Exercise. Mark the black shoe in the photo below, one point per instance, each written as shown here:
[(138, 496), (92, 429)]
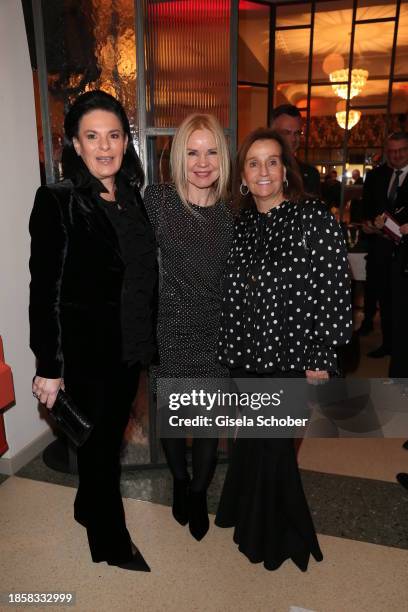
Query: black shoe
[(365, 328), (135, 564), (403, 479), (180, 500), (405, 445), (81, 521), (198, 520), (381, 351), (80, 518)]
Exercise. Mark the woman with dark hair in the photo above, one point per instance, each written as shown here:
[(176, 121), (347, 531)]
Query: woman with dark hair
[(286, 307), (93, 277)]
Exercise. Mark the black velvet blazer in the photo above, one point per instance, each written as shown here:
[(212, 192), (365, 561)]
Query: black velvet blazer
[(76, 281)]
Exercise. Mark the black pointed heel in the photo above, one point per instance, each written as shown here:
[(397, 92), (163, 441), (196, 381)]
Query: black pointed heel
[(181, 500), (198, 520), (135, 564)]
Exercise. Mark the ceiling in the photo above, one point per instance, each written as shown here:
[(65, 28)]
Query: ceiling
[(331, 46)]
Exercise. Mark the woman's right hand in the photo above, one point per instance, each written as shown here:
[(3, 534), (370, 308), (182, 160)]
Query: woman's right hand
[(46, 390)]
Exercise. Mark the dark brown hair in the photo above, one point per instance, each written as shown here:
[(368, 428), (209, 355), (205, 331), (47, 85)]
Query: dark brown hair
[(72, 165), (292, 191)]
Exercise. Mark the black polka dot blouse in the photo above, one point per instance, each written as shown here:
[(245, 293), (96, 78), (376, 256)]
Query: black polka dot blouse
[(286, 295)]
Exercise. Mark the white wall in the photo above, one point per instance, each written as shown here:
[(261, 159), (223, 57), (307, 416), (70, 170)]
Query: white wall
[(19, 178)]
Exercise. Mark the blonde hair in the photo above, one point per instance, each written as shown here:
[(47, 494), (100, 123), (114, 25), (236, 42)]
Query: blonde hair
[(178, 154)]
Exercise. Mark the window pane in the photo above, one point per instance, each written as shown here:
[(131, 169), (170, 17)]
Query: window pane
[(375, 91), (253, 42), (252, 109), (399, 108), (293, 15), (158, 156), (370, 130), (331, 44), (401, 59), (89, 45), (326, 137), (291, 93), (373, 48), (187, 60), (375, 9), (291, 64)]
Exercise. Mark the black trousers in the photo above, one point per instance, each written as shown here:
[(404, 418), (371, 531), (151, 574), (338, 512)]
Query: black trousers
[(98, 504), (382, 264)]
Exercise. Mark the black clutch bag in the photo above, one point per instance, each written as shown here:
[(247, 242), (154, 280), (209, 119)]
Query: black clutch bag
[(70, 420)]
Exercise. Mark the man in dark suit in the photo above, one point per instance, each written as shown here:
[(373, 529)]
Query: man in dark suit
[(386, 190), (287, 120)]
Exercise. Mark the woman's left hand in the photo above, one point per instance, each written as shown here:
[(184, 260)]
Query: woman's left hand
[(404, 229), (317, 375)]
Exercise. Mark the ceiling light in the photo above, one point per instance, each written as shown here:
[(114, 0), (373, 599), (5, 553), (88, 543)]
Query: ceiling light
[(353, 118), (358, 81)]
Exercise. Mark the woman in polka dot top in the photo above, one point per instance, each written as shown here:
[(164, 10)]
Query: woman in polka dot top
[(286, 309)]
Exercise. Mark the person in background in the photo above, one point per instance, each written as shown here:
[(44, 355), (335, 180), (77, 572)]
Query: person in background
[(93, 277), (287, 121), (385, 190), (357, 179), (286, 309), (370, 289), (193, 227), (331, 189)]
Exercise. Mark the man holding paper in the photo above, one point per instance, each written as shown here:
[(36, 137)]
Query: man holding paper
[(385, 198)]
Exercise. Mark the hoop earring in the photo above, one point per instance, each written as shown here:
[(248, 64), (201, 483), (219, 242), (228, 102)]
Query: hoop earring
[(241, 190), (286, 183)]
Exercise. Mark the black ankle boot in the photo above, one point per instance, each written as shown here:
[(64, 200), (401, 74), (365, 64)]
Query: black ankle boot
[(198, 520), (181, 500)]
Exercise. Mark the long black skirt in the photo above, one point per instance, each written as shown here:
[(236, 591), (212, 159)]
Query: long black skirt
[(263, 499)]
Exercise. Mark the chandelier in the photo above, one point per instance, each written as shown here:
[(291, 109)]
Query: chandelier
[(353, 119), (357, 82)]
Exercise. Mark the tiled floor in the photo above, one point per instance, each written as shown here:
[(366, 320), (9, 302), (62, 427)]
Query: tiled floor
[(44, 550)]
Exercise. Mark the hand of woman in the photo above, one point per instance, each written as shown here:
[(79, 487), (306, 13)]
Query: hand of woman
[(46, 390), (404, 229), (316, 375)]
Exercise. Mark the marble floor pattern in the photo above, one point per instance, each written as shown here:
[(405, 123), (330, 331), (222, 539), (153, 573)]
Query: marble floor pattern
[(44, 550)]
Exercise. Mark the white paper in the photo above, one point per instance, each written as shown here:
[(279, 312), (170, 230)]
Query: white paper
[(392, 226)]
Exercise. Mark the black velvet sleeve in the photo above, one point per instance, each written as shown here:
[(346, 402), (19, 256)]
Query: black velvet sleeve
[(48, 250)]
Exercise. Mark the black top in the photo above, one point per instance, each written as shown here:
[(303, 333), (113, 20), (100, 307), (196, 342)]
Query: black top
[(194, 242), (137, 247), (286, 302)]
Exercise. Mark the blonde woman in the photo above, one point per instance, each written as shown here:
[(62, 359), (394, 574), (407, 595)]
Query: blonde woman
[(193, 228)]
